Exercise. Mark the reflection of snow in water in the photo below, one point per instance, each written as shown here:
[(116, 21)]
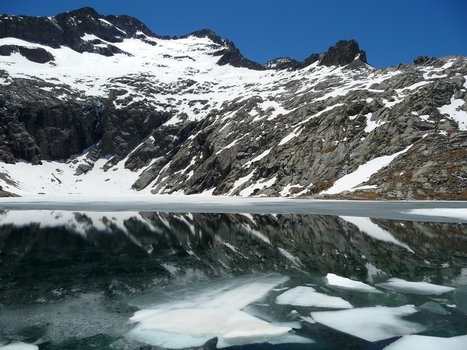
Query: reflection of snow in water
[(373, 230), (236, 310), (194, 316), (371, 323), (79, 222)]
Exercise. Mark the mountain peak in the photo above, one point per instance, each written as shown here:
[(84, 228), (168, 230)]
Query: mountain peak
[(230, 54), (82, 12), (68, 28), (208, 33), (343, 53)]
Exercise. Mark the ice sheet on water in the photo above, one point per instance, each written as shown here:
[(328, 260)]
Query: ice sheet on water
[(401, 285), (371, 323), (191, 317), (234, 292), (18, 346), (196, 326), (434, 307), (347, 283), (308, 296), (415, 342), (457, 213)]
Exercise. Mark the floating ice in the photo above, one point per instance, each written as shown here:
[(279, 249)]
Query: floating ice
[(401, 285), (19, 346), (307, 296), (422, 342), (347, 283), (371, 323), (456, 213), (193, 316), (232, 327), (237, 293), (434, 307)]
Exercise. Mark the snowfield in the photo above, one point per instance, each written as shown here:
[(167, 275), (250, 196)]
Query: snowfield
[(166, 66)]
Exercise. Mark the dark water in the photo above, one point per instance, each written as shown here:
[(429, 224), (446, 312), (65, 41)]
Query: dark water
[(73, 279)]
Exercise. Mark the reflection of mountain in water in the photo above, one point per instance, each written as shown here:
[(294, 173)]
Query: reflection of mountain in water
[(129, 252)]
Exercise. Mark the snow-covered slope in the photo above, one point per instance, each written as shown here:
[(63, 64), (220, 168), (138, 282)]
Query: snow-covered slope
[(137, 113)]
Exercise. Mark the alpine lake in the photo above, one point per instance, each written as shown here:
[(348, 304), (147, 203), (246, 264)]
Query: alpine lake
[(287, 275)]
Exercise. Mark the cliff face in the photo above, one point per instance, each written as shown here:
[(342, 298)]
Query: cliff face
[(193, 115)]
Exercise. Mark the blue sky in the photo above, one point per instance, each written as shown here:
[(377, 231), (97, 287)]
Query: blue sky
[(391, 32)]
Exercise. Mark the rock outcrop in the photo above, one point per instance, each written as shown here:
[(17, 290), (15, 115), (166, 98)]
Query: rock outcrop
[(345, 52), (38, 55), (67, 29)]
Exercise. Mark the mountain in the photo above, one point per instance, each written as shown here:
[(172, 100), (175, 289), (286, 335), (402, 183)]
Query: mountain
[(96, 104)]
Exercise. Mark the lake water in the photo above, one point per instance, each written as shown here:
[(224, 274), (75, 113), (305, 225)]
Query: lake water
[(83, 277)]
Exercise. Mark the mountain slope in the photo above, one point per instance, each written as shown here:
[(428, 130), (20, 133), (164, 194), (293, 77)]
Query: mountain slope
[(100, 104)]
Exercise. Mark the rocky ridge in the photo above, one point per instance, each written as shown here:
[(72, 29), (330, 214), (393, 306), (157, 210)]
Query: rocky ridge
[(192, 115)]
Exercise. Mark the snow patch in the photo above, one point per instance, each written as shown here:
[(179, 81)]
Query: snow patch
[(454, 112), (363, 173)]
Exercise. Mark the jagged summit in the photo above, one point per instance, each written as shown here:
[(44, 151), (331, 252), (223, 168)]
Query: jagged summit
[(282, 63), (69, 28), (208, 33), (229, 53), (343, 53)]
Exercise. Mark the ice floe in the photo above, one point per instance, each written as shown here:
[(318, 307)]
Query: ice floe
[(308, 296), (371, 323), (347, 283), (18, 346), (196, 326), (199, 314), (401, 285), (422, 342), (434, 307)]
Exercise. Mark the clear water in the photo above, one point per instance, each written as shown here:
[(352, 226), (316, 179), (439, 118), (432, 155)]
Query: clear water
[(73, 279)]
